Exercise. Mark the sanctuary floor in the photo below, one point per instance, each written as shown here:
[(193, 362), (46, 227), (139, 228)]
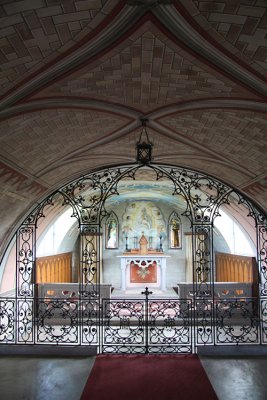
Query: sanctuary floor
[(58, 378)]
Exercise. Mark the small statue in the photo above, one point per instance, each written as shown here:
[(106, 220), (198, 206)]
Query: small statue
[(143, 244)]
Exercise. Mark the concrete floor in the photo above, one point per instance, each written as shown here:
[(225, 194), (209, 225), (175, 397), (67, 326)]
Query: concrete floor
[(237, 378), (43, 378), (63, 378)]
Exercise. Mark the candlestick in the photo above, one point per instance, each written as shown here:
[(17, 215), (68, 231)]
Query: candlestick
[(160, 244)]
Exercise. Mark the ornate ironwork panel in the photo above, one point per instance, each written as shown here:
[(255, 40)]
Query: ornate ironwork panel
[(7, 320), (203, 276), (89, 193), (123, 326), (237, 321), (202, 261), (90, 315), (263, 309), (25, 260), (203, 321), (70, 321), (262, 257), (169, 326), (25, 321), (136, 326), (57, 321), (201, 192), (89, 261)]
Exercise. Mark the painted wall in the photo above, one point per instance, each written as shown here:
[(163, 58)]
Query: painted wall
[(150, 218)]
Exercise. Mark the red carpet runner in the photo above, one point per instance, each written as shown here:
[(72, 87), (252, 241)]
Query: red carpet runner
[(148, 377)]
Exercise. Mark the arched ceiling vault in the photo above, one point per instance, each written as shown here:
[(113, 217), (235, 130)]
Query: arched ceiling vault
[(76, 77)]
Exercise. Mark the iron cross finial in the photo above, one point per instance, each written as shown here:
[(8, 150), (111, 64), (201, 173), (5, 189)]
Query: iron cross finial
[(146, 292)]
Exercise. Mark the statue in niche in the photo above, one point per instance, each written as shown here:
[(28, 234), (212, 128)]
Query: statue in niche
[(112, 232), (175, 231)]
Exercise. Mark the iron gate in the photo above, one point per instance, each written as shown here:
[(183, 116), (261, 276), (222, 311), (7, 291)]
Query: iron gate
[(147, 325)]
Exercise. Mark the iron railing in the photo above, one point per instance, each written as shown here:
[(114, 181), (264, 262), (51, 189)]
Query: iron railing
[(134, 325)]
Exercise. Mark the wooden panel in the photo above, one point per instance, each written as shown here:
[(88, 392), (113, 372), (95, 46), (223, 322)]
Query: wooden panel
[(54, 269), (235, 268)]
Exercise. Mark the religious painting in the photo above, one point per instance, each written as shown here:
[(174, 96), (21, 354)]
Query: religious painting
[(143, 219), (175, 230), (112, 230)]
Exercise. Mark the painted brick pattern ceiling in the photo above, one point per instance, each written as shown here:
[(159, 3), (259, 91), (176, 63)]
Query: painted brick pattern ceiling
[(76, 76), (148, 73), (243, 24), (237, 135), (45, 136), (33, 31)]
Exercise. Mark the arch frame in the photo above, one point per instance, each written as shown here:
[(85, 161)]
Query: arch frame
[(87, 196)]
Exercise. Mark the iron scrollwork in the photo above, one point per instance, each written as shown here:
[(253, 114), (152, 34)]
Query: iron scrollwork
[(237, 321), (57, 321), (7, 320), (123, 326), (89, 260), (25, 260), (262, 257), (25, 323), (150, 326), (203, 310), (135, 325), (263, 307), (169, 326)]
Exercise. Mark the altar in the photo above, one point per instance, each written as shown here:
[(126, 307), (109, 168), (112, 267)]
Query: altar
[(138, 271)]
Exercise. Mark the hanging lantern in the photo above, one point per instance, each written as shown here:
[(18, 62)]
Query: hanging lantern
[(144, 146)]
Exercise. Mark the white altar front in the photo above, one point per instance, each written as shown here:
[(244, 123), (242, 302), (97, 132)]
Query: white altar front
[(143, 263)]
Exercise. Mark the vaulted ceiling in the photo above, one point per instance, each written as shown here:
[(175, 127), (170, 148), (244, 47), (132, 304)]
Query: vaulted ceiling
[(77, 75)]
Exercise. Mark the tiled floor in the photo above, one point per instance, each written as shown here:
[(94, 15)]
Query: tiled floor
[(63, 378)]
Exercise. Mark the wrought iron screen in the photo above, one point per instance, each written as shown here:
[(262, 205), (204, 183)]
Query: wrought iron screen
[(147, 326), (130, 325)]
